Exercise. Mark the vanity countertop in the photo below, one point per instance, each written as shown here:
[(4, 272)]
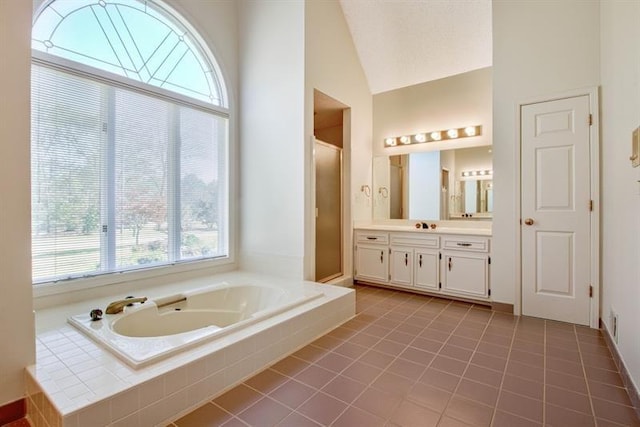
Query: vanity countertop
[(471, 230)]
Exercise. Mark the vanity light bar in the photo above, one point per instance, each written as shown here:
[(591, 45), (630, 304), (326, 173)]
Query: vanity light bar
[(436, 135), (486, 172)]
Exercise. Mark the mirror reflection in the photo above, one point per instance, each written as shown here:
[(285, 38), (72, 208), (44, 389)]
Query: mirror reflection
[(434, 185)]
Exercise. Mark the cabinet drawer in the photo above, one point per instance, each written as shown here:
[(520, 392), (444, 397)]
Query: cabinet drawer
[(372, 237), (415, 240), (463, 243)]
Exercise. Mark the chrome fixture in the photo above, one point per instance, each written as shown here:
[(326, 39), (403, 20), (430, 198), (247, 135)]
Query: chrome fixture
[(117, 306)]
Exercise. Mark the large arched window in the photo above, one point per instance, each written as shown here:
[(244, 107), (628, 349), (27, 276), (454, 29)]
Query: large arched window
[(129, 140)]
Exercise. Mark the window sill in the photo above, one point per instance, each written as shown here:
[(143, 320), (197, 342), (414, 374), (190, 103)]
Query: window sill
[(52, 294)]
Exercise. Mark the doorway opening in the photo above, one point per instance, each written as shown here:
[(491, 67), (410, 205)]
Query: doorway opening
[(329, 132)]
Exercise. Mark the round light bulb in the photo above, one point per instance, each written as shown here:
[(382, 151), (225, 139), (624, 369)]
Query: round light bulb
[(390, 142), (470, 131), (405, 139), (452, 133), (465, 173), (436, 136), (421, 137)]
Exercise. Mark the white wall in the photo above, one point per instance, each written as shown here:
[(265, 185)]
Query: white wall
[(620, 68), (539, 49), (16, 313), (452, 102), (333, 68), (272, 135)]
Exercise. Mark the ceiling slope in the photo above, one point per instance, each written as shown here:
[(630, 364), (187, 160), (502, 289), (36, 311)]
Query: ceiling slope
[(405, 42)]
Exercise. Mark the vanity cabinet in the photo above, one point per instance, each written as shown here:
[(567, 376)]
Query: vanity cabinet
[(371, 256), (414, 260), (456, 265), (465, 266)]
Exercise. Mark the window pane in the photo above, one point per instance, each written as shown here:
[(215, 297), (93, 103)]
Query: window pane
[(130, 38), (203, 186), (141, 132), (66, 154)]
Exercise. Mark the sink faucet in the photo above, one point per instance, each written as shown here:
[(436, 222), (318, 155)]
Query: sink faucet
[(117, 306)]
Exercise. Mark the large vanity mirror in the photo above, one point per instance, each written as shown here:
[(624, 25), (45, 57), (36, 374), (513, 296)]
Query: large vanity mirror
[(434, 185)]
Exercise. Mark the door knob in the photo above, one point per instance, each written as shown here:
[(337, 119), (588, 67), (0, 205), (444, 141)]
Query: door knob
[(529, 221)]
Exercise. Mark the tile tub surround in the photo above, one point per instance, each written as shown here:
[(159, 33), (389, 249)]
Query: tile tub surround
[(76, 382), (413, 360)]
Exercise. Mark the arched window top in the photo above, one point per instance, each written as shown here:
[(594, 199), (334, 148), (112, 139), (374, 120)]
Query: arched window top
[(136, 39)]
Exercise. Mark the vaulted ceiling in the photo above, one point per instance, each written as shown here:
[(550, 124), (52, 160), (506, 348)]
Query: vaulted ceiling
[(405, 42)]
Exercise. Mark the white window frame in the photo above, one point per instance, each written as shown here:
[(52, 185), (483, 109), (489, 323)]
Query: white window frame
[(180, 269)]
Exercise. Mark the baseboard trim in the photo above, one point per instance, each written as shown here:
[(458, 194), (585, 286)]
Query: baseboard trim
[(632, 390), (13, 411), (502, 307)]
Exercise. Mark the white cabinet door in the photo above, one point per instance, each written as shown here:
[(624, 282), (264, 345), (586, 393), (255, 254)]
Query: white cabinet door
[(402, 266), (426, 264), (465, 274), (372, 262)]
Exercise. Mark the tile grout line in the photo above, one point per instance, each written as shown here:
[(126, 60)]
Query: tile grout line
[(544, 376), (449, 303), (504, 371), (584, 372), (318, 390), (468, 362), (349, 405)]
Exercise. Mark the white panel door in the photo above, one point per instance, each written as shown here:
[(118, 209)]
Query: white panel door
[(555, 203)]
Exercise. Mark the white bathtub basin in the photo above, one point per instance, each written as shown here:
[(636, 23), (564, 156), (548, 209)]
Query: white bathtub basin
[(144, 333)]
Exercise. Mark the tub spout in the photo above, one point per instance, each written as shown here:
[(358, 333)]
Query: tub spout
[(117, 306)]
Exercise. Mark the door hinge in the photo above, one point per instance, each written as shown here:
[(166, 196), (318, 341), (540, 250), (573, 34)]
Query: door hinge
[(389, 251), (590, 291), (389, 277), (590, 205), (439, 255), (489, 292), (489, 260), (590, 119), (439, 285)]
